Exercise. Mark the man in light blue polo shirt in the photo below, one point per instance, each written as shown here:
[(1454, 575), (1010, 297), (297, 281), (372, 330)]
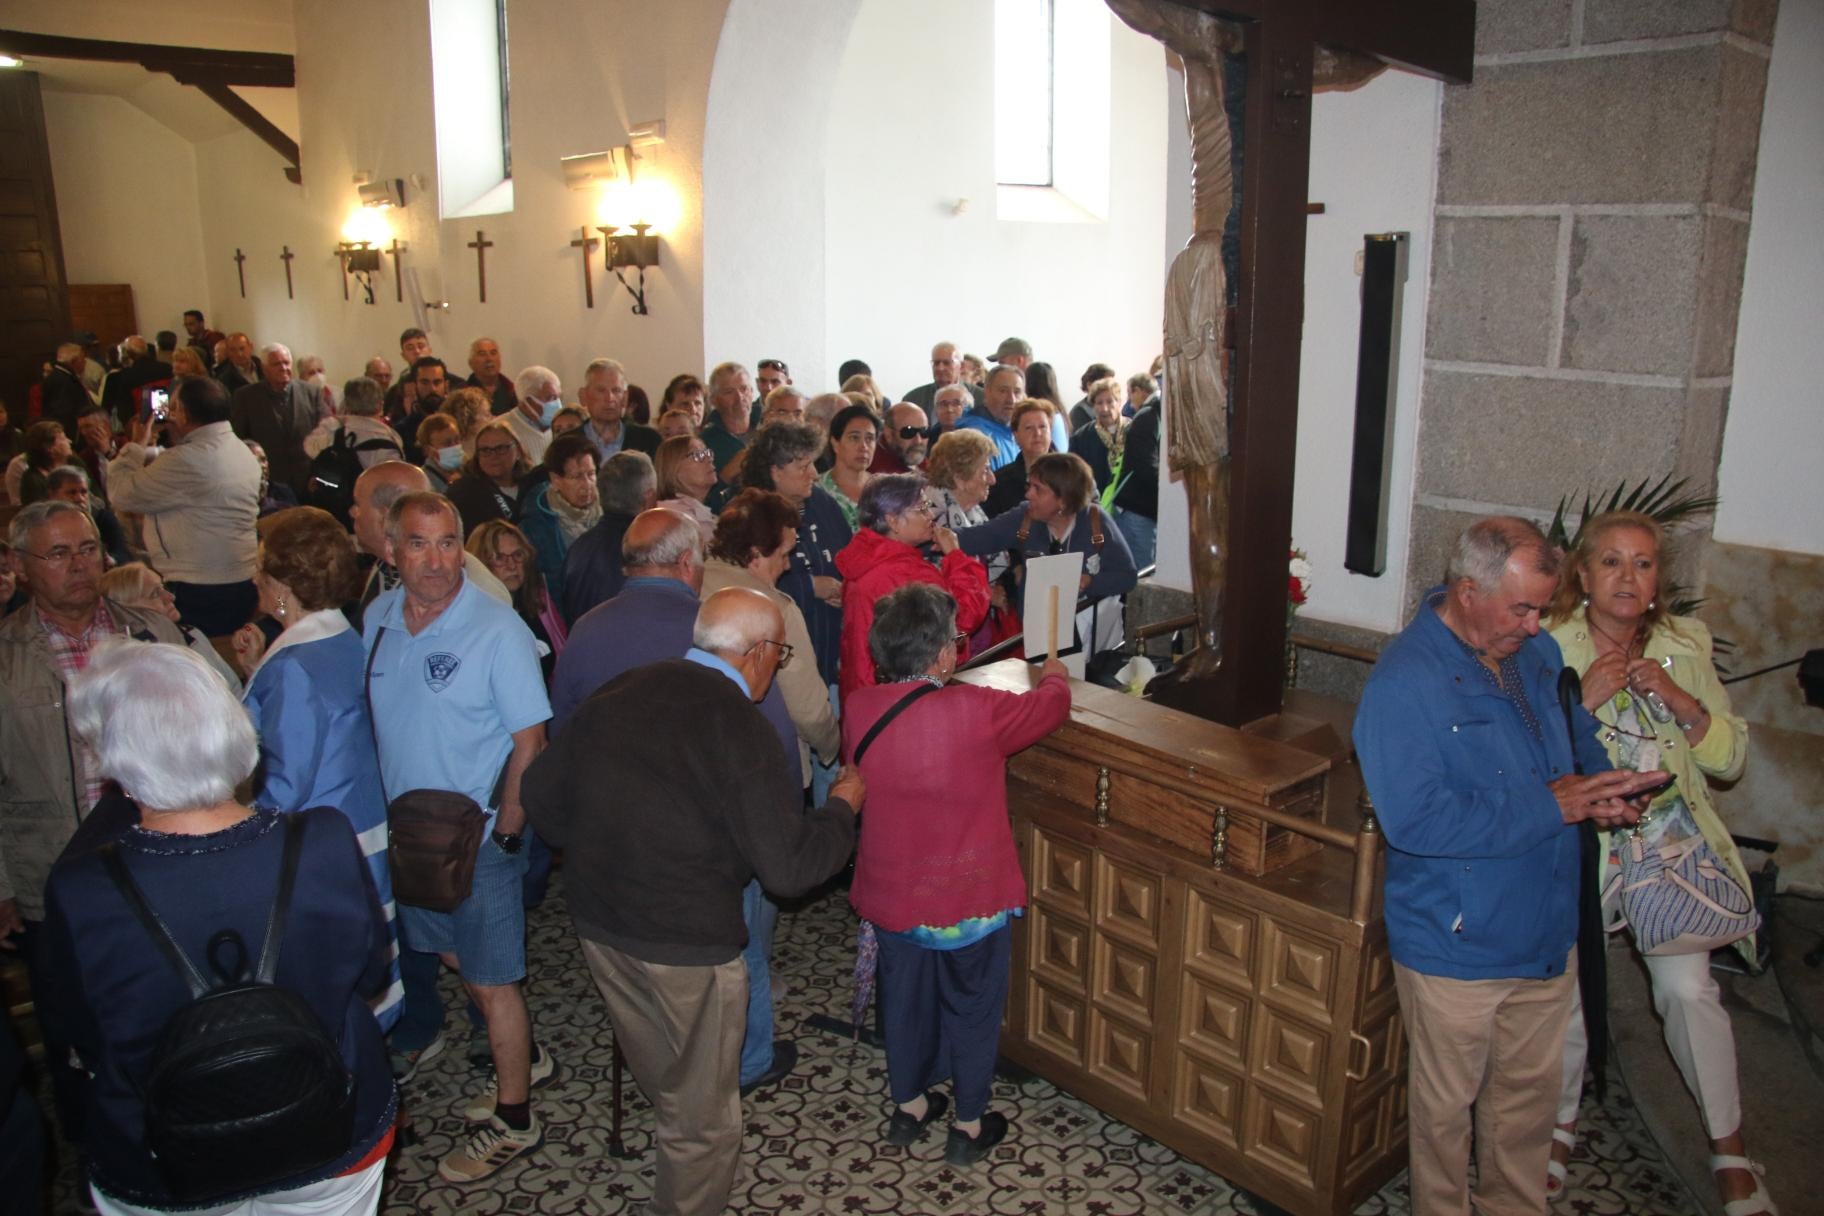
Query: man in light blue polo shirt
[(459, 704), (1005, 389)]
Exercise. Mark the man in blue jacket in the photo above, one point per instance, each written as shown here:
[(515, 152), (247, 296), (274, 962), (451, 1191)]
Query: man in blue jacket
[(1467, 756)]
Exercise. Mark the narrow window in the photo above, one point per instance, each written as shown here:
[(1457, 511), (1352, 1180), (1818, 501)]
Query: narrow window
[(1052, 98), (1023, 83), (474, 153)]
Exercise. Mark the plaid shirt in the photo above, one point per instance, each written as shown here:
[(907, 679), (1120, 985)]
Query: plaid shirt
[(71, 654)]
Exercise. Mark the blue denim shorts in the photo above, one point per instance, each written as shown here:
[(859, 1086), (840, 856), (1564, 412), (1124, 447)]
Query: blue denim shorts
[(487, 931)]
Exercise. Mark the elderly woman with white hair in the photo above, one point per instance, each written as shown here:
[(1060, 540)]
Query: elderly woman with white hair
[(199, 875)]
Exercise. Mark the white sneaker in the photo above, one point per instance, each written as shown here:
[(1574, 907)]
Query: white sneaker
[(481, 1107), (490, 1147)]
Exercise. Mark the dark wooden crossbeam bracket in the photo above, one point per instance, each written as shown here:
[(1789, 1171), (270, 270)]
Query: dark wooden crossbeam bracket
[(214, 73)]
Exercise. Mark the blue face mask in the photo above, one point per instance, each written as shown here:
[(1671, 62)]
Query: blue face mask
[(549, 412), (450, 458)]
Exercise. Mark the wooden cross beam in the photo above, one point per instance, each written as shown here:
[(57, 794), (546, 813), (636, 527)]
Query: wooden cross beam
[(587, 244), (286, 257), (1434, 37), (240, 270), (481, 244)]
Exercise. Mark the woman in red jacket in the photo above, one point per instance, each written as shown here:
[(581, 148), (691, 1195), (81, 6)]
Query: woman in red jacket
[(895, 518), (936, 872)]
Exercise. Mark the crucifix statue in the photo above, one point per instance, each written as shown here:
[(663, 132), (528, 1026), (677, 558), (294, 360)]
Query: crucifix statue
[(481, 244), (286, 257), (587, 244), (1232, 430), (240, 270)]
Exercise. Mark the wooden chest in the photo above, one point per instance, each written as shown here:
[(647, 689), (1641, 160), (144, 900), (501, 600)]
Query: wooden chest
[(1242, 1013)]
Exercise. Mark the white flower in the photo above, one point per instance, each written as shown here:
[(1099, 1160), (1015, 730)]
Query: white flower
[(1300, 569)]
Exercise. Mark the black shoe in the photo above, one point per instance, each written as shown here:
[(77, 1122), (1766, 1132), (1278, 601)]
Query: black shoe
[(964, 1149), (903, 1129), (785, 1058)]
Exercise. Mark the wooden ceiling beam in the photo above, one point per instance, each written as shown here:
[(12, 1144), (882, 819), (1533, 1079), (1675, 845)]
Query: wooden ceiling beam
[(1432, 37)]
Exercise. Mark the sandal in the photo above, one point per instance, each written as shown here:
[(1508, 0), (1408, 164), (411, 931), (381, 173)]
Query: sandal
[(1758, 1204), (1555, 1172)]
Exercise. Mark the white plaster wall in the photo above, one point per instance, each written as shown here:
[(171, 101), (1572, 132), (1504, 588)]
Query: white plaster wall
[(764, 174), (1373, 158), (910, 133), (1774, 438), (127, 204), (581, 76)]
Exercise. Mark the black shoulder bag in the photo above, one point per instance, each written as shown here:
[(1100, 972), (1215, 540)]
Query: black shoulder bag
[(880, 724)]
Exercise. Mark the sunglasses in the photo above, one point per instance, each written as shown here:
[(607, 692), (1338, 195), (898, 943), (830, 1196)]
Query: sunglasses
[(774, 365), (911, 432)]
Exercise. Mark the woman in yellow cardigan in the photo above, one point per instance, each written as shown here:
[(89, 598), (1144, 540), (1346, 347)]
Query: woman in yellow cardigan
[(1631, 652)]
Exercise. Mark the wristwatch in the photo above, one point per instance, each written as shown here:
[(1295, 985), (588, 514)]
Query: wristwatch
[(510, 842)]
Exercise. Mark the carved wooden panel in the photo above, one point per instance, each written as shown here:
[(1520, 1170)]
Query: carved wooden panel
[(1213, 1019), (1127, 900), (1207, 1098), (1060, 873), (1290, 1054), (1060, 949), (1120, 1054), (1298, 969), (1364, 1135), (1056, 1022), (1282, 1136), (1124, 979), (1219, 939)]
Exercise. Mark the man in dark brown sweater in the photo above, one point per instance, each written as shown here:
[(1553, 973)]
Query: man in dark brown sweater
[(662, 829)]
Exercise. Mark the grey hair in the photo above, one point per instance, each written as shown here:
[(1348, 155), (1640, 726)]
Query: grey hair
[(776, 445), (722, 371), (309, 365), (886, 496), (273, 348), (123, 705), (362, 397), (1486, 546), (624, 480), (67, 351), (782, 392), (912, 625), (824, 406), (417, 500), (63, 474), (735, 632), (40, 513), (597, 366), (680, 539), (955, 389), (533, 378)]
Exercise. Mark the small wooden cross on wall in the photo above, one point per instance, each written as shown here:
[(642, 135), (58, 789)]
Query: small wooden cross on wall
[(286, 257), (240, 270), (587, 244), (481, 244), (398, 281)]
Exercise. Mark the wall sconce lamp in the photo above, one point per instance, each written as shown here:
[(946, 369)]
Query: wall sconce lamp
[(638, 250), (362, 260), (387, 192)]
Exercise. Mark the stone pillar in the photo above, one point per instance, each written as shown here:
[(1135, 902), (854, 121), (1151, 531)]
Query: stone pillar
[(1592, 211)]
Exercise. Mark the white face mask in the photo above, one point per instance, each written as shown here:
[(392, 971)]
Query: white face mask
[(548, 411), (450, 458)]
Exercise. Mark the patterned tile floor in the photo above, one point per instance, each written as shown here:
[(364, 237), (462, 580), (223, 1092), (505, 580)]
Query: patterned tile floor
[(812, 1143)]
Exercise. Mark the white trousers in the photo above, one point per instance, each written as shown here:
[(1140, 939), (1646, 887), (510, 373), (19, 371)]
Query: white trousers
[(350, 1195), (1690, 1006)]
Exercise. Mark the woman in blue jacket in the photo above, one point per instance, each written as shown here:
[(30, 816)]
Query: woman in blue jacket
[(305, 696)]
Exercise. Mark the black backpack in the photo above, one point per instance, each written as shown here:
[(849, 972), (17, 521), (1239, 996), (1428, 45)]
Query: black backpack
[(246, 1087), (334, 469)]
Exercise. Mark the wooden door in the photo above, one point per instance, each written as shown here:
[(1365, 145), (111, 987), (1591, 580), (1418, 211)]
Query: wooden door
[(105, 310), (34, 303)]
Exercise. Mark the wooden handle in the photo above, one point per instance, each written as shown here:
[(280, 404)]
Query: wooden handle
[(1052, 650)]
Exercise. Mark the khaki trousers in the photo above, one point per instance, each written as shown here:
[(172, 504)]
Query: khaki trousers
[(1491, 1051), (680, 1029)]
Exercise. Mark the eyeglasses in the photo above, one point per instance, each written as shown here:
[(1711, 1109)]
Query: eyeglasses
[(911, 432), (957, 639), (785, 651), (701, 456), (774, 365), (494, 449), (63, 555), (516, 558)]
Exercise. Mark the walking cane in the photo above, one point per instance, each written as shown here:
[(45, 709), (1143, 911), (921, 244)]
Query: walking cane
[(1592, 965)]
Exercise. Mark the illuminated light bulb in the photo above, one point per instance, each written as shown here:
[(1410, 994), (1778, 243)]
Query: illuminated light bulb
[(367, 224)]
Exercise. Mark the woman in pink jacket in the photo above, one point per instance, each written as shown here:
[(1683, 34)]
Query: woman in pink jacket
[(895, 517), (937, 877)]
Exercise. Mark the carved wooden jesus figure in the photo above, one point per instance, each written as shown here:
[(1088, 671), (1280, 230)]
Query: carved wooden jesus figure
[(1196, 294)]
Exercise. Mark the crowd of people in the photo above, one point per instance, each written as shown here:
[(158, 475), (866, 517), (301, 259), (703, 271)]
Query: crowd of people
[(328, 676)]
